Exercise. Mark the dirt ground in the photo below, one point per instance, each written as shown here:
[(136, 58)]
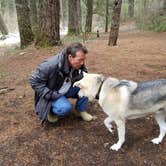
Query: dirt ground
[(73, 142)]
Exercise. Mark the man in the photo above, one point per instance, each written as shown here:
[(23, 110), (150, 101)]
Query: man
[(52, 82)]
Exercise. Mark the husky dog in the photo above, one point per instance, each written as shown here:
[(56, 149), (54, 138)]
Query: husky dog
[(123, 99)]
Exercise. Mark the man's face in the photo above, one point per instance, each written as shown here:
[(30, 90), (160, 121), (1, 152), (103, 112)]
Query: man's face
[(78, 60)]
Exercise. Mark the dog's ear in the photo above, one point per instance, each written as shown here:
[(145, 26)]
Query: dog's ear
[(100, 78), (78, 84)]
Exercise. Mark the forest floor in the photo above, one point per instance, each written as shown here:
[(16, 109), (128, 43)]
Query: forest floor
[(73, 142)]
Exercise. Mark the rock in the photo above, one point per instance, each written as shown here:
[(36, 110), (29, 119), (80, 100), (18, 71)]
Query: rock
[(22, 53)]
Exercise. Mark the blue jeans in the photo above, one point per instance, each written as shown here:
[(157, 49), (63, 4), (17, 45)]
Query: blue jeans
[(62, 106)]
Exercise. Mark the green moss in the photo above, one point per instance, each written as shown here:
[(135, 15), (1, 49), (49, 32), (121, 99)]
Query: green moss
[(43, 41)]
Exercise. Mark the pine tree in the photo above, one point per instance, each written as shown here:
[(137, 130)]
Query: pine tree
[(24, 24), (88, 26), (49, 22), (3, 27), (115, 23), (74, 17)]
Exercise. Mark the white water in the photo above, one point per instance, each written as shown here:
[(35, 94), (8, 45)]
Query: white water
[(14, 38), (11, 39)]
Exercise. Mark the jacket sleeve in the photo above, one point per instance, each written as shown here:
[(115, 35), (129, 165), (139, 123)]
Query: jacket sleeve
[(38, 81)]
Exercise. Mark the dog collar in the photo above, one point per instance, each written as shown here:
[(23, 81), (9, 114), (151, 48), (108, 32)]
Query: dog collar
[(97, 95)]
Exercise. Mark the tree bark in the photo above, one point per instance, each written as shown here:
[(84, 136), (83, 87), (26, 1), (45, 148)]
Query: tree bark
[(73, 22), (49, 20), (88, 25), (79, 16), (106, 17), (3, 6), (33, 15), (131, 8), (144, 8), (164, 5), (3, 27), (11, 8), (24, 25), (62, 13), (115, 23)]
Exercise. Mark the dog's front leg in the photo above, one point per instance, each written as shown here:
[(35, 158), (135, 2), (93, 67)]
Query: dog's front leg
[(107, 123), (121, 134), (162, 124)]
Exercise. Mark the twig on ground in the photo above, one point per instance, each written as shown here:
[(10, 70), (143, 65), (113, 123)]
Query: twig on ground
[(4, 90)]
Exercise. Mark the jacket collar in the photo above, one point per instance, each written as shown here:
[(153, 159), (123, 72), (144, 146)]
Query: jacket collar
[(66, 68), (63, 63)]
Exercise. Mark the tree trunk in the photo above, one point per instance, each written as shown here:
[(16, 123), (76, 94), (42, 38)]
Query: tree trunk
[(106, 17), (3, 6), (24, 25), (79, 15), (33, 15), (49, 20), (62, 13), (88, 25), (11, 8), (73, 23), (144, 8), (115, 23), (131, 8), (3, 27), (164, 5)]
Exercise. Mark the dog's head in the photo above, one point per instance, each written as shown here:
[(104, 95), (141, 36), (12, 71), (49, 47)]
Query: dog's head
[(89, 85)]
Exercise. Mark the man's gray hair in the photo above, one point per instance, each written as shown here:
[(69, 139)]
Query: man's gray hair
[(75, 47)]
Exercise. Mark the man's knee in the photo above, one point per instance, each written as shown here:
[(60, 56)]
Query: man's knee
[(62, 110)]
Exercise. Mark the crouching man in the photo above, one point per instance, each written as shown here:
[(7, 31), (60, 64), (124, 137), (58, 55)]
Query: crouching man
[(52, 82)]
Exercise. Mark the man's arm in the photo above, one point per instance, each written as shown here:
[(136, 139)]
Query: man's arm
[(38, 81)]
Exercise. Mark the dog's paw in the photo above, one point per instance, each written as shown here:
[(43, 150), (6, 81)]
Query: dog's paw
[(156, 141), (115, 147)]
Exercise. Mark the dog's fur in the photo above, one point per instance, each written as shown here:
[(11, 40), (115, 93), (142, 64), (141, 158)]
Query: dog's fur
[(123, 99)]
